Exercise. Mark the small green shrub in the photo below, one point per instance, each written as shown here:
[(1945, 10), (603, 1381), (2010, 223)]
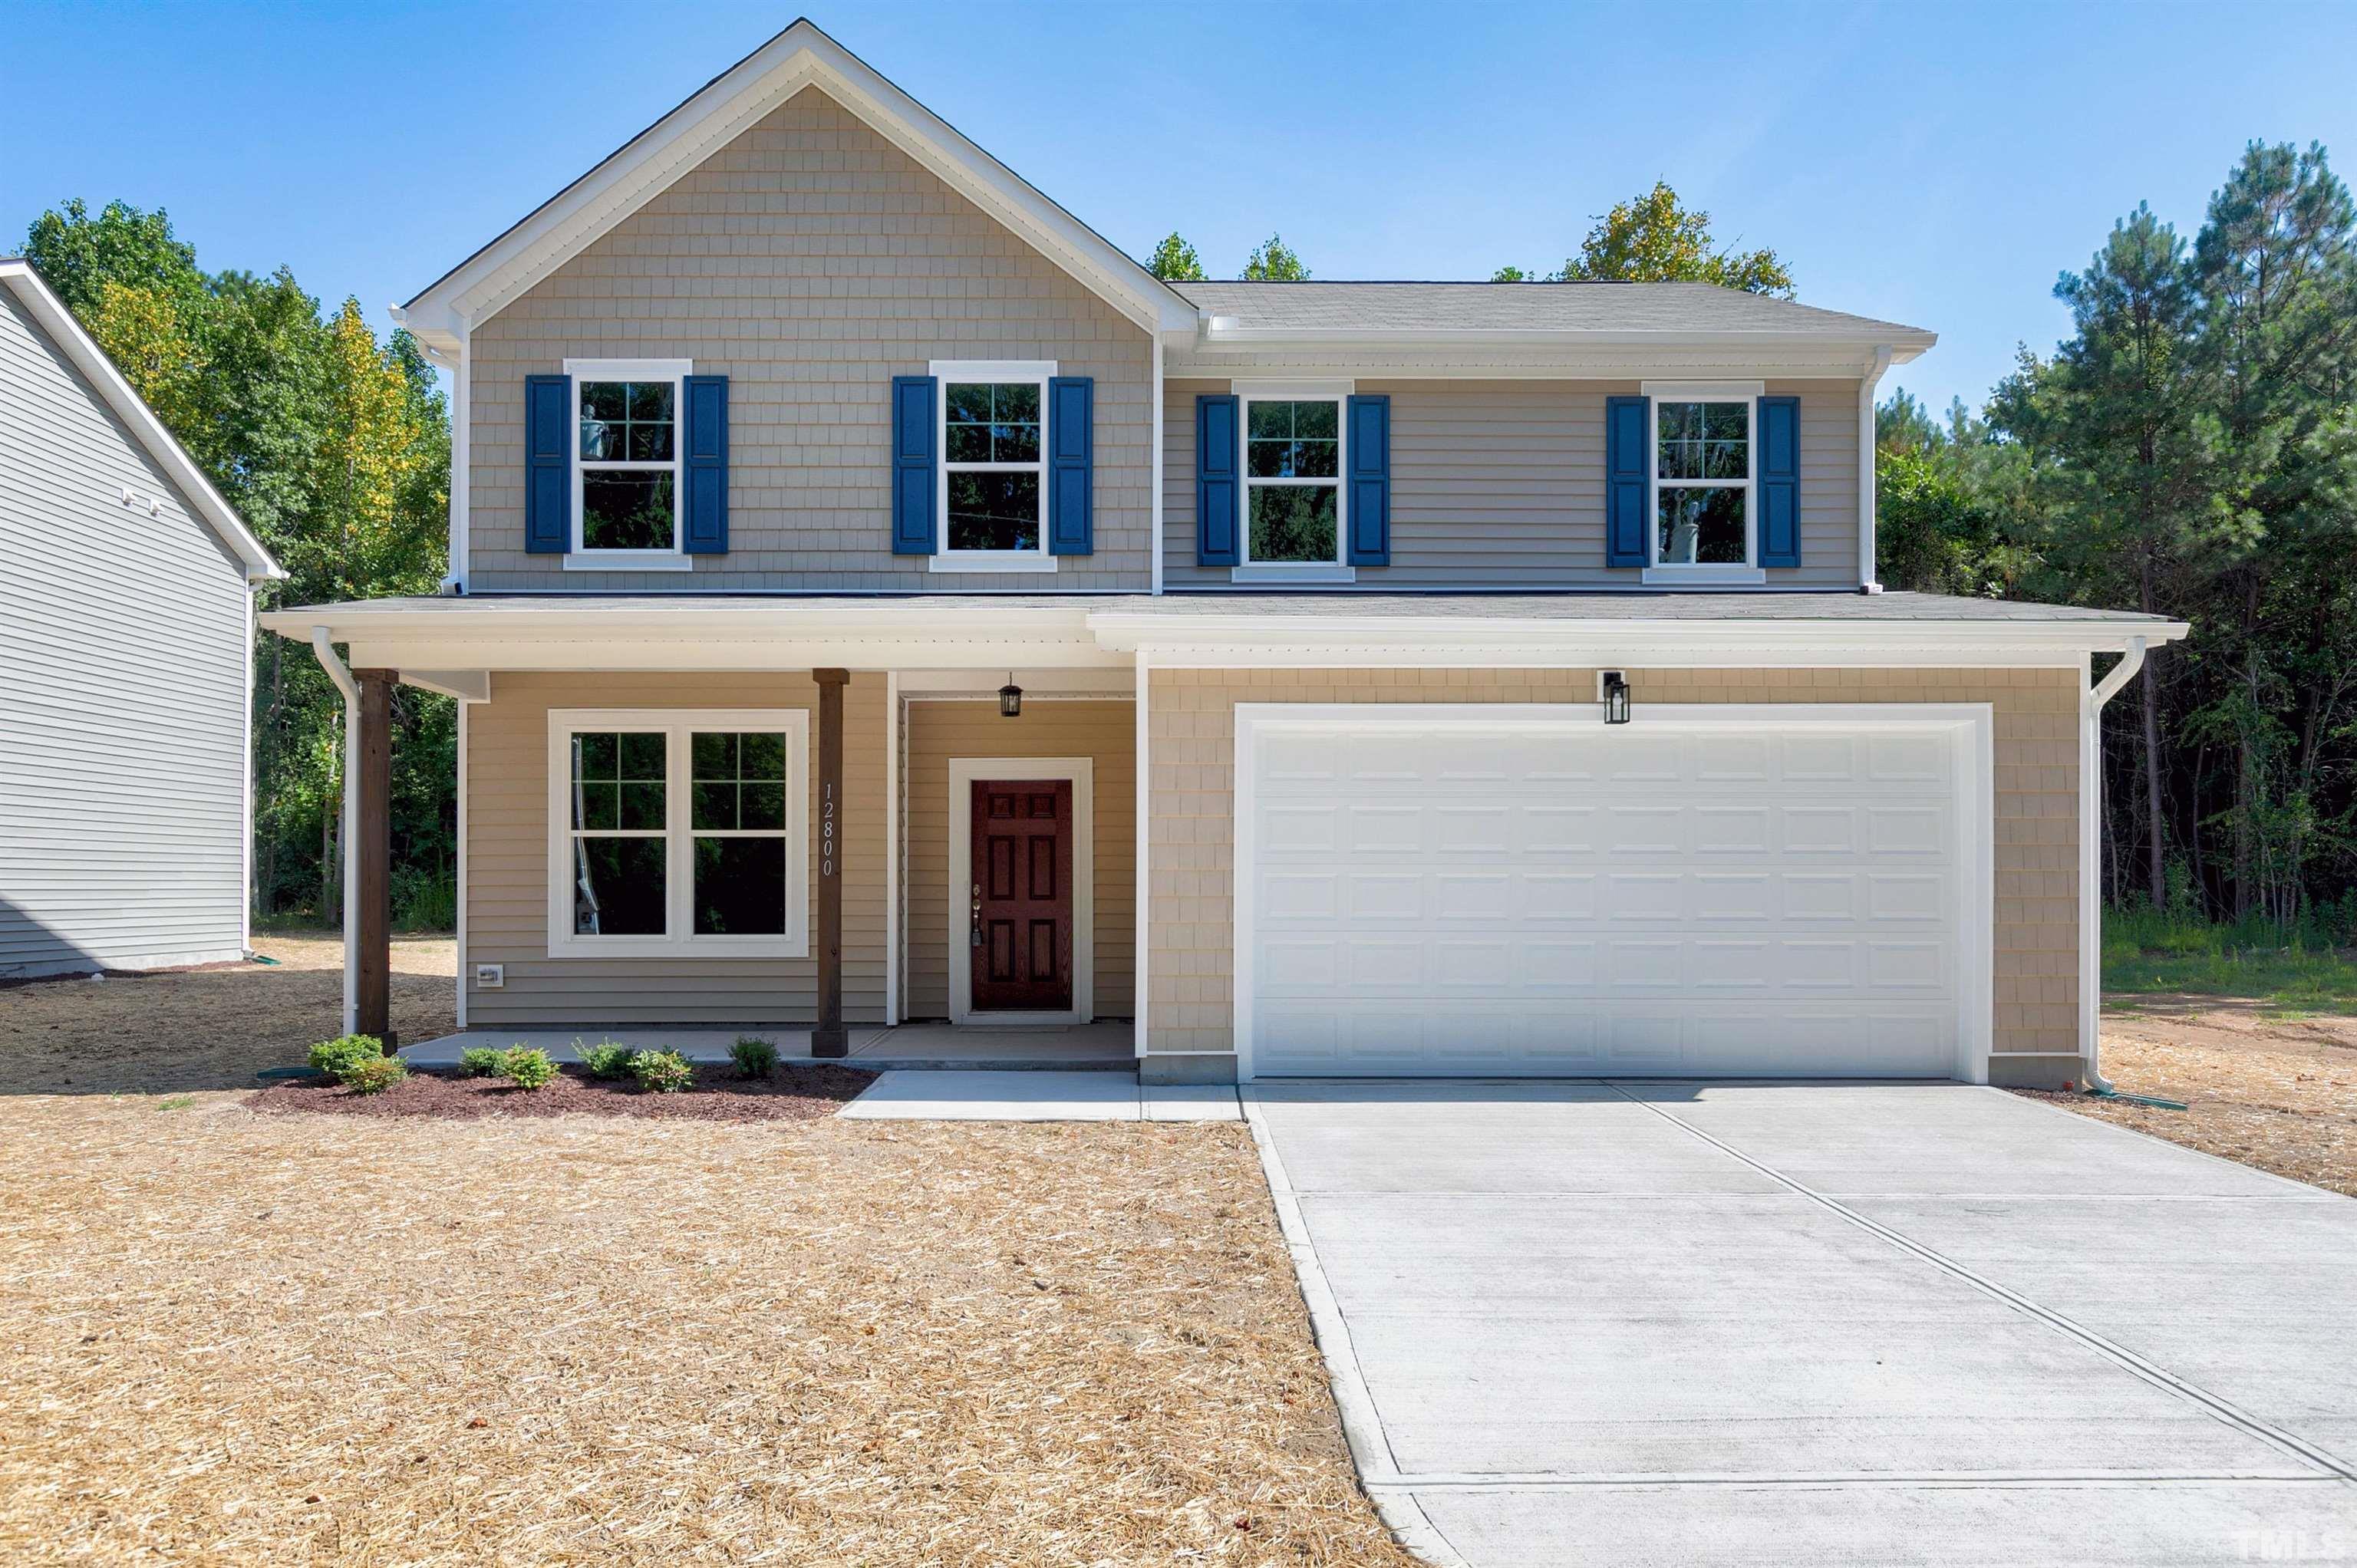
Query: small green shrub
[(662, 1072), (481, 1061), (605, 1059), (526, 1066), (754, 1057), (332, 1057), (372, 1075)]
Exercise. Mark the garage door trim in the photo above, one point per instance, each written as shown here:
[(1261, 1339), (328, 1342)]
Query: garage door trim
[(1967, 726)]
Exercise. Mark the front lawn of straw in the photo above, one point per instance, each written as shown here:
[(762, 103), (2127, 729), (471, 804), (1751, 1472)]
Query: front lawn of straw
[(229, 1336)]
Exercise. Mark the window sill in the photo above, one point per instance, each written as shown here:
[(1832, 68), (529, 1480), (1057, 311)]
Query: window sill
[(1703, 576), (663, 947), (628, 561), (994, 560), (1290, 572)]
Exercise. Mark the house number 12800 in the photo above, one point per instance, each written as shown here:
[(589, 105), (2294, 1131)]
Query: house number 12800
[(827, 834)]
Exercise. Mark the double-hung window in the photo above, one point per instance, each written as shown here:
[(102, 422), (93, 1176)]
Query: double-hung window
[(678, 833), (1705, 469), (1294, 500), (993, 501), (626, 461)]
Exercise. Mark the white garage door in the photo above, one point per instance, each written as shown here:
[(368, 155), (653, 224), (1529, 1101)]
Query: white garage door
[(1722, 892)]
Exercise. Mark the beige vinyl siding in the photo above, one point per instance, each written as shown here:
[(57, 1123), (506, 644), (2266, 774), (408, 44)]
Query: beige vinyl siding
[(1501, 484), (1103, 731), (811, 261), (507, 864), (122, 690), (1191, 1004)]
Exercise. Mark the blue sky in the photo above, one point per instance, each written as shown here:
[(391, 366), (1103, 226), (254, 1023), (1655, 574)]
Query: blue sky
[(1933, 166)]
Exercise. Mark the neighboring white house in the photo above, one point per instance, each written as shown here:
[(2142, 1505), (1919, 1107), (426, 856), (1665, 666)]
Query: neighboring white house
[(126, 622)]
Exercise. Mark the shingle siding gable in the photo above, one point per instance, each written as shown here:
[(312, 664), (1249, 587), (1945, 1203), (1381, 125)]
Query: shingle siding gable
[(811, 261)]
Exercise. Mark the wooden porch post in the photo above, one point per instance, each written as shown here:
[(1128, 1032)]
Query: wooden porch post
[(828, 1039), (372, 849)]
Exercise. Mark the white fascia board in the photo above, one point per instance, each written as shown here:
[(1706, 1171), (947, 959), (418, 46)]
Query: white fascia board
[(1910, 345), (28, 289), (727, 106), (1216, 641)]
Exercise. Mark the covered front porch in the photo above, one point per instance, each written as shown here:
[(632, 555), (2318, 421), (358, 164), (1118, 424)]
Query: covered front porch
[(957, 866)]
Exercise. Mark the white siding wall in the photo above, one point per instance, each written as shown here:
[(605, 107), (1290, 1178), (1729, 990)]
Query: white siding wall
[(123, 690)]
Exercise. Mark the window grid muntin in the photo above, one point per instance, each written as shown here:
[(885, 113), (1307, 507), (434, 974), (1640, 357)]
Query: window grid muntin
[(1745, 407), (1036, 468), (645, 375), (678, 835), (1251, 403)]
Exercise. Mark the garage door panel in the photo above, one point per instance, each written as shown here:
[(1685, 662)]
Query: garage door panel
[(1450, 898)]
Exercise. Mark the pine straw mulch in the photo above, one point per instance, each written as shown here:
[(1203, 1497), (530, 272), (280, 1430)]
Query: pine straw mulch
[(231, 1338), (2279, 1095), (797, 1092), (208, 1028)]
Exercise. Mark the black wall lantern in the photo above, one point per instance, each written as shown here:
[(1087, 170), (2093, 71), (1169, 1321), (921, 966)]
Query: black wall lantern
[(1616, 698), (1010, 699)]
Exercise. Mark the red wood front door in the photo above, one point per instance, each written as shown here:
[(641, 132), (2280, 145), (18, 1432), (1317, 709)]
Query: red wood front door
[(1021, 897)]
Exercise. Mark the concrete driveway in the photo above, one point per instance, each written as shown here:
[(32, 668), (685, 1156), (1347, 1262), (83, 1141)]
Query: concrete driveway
[(1748, 1324)]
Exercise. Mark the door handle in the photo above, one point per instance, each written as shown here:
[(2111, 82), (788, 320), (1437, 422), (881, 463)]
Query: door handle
[(974, 937)]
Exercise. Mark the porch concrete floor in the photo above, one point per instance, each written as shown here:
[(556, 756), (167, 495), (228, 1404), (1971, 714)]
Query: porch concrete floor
[(1086, 1048)]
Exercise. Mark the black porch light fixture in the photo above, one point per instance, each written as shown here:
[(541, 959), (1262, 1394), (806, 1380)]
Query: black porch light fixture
[(1010, 699), (1616, 697)]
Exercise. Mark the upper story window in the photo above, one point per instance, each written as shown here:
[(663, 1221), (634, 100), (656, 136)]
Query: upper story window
[(1293, 480), (1703, 525), (626, 454), (994, 501)]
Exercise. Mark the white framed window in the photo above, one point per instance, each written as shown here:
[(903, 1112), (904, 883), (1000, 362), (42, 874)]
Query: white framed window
[(1295, 507), (627, 446), (679, 833), (993, 440), (1703, 524)]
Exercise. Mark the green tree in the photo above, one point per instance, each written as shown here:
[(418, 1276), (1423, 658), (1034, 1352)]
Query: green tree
[(1174, 260), (2127, 457), (336, 450), (1510, 274), (1274, 262), (1657, 239)]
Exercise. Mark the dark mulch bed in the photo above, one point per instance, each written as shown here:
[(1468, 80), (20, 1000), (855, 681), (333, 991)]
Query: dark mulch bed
[(798, 1093)]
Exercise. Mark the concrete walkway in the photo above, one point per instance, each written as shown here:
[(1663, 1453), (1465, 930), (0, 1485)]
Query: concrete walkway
[(961, 1096), (1718, 1323)]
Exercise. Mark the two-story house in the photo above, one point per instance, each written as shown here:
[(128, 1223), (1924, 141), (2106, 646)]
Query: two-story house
[(875, 597)]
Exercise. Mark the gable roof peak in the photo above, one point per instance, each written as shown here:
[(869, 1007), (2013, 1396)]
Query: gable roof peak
[(723, 108)]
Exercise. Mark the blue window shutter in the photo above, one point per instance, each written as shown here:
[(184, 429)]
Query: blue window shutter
[(1217, 483), (1628, 485), (707, 466), (1370, 481), (1780, 481), (548, 465), (915, 467), (1072, 454)]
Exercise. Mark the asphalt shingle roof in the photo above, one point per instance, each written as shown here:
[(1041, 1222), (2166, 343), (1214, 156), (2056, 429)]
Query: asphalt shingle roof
[(1523, 308)]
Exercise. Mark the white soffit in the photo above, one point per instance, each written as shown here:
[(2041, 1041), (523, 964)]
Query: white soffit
[(724, 109)]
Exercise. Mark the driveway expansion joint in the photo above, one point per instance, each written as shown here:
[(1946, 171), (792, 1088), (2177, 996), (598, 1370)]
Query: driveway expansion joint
[(2150, 1371)]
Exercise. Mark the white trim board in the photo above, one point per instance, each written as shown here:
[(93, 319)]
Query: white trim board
[(1081, 773), (1969, 726)]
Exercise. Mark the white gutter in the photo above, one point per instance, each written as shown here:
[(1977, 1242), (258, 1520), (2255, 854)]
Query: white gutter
[(324, 647), (2090, 900), (1868, 581)]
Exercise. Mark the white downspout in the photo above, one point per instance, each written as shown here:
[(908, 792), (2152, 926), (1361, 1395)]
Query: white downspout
[(324, 647), (1867, 582), (2090, 900), (1155, 494)]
